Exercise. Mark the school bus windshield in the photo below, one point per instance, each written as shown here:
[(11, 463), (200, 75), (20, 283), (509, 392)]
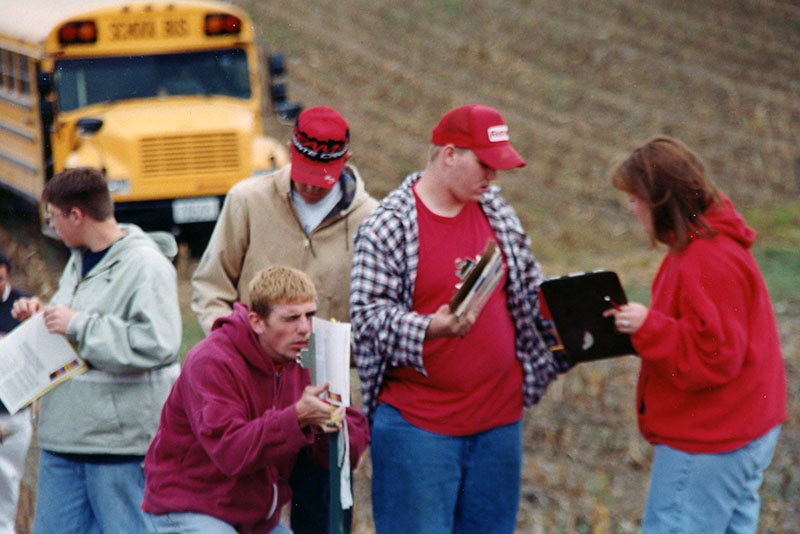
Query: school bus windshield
[(82, 82)]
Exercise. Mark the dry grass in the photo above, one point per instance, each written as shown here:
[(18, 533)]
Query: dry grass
[(580, 83)]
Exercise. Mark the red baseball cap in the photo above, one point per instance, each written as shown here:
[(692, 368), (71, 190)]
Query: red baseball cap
[(320, 141), (482, 130)]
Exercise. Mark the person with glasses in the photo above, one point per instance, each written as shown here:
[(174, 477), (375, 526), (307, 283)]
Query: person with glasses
[(117, 301)]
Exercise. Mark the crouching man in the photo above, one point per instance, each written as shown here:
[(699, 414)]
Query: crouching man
[(238, 415)]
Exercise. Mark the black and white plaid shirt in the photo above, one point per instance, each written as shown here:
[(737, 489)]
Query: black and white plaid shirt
[(387, 333)]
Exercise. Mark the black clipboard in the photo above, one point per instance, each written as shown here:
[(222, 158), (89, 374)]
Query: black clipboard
[(576, 303)]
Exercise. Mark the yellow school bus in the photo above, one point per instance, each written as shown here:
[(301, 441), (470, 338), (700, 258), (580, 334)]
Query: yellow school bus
[(163, 96)]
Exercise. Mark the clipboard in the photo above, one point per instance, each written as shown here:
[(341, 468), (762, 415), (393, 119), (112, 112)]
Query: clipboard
[(576, 303), (479, 278)]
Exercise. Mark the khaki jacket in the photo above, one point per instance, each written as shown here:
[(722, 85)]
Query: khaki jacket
[(259, 227)]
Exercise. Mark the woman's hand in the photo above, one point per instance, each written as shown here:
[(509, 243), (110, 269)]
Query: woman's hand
[(628, 318)]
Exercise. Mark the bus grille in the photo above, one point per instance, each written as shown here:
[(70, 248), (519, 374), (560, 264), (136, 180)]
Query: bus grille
[(190, 155)]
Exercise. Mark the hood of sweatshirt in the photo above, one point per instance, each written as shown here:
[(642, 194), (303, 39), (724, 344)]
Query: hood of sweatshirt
[(725, 220), (236, 327)]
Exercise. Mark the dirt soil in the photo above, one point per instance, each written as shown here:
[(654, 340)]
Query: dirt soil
[(580, 83)]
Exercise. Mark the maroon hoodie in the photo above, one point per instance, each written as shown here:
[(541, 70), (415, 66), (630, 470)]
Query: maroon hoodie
[(229, 435), (712, 376)]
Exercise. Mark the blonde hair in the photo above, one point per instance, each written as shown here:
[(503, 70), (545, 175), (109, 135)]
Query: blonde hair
[(279, 284)]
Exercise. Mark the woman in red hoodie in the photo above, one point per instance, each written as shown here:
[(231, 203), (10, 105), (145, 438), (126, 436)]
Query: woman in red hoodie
[(712, 388)]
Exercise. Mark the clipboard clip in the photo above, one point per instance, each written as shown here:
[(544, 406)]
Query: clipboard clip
[(464, 266)]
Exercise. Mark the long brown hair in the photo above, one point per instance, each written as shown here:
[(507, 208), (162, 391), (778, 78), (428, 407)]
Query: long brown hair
[(672, 181)]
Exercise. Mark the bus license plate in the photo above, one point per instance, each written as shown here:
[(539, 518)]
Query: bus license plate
[(189, 210)]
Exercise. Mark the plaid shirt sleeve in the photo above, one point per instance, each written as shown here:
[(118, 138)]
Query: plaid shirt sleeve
[(533, 332), (386, 332)]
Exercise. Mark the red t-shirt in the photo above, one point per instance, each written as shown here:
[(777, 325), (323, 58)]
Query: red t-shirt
[(474, 383)]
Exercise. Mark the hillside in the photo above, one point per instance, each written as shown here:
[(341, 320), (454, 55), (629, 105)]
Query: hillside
[(580, 83)]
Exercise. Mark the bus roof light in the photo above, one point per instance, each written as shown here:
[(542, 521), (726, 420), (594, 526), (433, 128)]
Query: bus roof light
[(232, 24), (87, 33), (78, 32), (222, 24)]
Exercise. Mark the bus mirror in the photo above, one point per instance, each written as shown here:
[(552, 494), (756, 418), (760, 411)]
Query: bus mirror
[(44, 81), (89, 125), (277, 93), (287, 112), (276, 65)]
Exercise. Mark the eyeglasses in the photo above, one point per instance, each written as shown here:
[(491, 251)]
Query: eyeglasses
[(50, 215)]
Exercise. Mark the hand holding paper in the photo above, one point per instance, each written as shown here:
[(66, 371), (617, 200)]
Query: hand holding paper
[(57, 318), (25, 307), (445, 323), (33, 360), (311, 409)]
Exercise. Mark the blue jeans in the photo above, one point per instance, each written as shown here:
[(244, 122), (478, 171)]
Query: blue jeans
[(16, 436), (431, 483), (81, 497), (194, 523), (707, 493)]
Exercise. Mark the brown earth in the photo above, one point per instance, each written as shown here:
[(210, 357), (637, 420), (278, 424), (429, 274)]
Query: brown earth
[(579, 83)]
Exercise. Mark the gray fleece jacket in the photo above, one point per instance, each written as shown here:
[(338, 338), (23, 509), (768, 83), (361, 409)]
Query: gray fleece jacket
[(128, 328)]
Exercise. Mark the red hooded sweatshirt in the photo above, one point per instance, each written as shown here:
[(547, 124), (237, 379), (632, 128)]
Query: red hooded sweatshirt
[(712, 376), (229, 436)]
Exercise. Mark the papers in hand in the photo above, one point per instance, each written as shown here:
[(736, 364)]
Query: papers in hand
[(328, 360), (32, 361), (479, 277)]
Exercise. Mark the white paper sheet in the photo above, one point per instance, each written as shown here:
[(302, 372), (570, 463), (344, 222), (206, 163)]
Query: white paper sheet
[(33, 360)]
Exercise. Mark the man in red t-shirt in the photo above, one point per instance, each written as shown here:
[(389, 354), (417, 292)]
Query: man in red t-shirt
[(444, 392)]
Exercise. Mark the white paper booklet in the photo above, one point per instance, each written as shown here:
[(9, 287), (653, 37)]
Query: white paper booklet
[(332, 359), (328, 360), (32, 361)]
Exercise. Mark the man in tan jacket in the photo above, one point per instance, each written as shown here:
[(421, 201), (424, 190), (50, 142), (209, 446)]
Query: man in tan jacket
[(304, 216)]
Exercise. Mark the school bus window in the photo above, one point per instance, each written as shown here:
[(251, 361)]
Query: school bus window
[(24, 75), (10, 69), (82, 82), (3, 55)]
